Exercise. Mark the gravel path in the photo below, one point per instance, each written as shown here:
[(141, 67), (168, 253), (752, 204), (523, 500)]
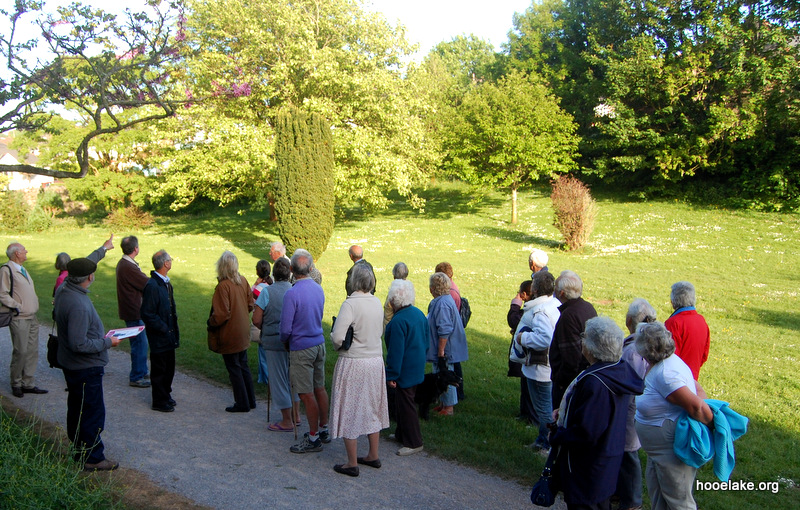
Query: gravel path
[(231, 461)]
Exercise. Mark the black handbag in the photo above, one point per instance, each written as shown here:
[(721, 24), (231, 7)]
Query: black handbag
[(544, 491), (348, 337)]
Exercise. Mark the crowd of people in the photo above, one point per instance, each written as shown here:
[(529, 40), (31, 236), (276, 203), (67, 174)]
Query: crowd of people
[(578, 372), (610, 395)]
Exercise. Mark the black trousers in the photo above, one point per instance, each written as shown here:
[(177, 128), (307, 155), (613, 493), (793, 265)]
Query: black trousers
[(407, 431), (162, 372), (244, 395), (86, 412)]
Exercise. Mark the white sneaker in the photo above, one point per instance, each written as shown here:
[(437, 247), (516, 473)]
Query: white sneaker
[(405, 451)]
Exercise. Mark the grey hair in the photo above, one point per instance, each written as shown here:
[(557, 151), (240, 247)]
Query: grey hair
[(603, 339), (161, 257), (77, 280), (302, 262), (12, 250), (62, 259), (439, 284), (543, 283), (682, 295), (278, 246), (228, 268), (400, 271), (538, 258), (569, 284), (401, 293), (639, 311), (654, 342), (362, 279)]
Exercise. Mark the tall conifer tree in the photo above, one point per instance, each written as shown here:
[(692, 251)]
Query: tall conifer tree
[(304, 181)]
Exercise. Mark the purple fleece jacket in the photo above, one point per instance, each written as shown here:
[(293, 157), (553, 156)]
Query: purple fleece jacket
[(301, 317)]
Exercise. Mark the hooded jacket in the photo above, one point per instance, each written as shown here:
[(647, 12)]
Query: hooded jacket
[(591, 432)]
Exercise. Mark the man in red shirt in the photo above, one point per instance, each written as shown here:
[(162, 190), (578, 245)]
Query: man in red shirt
[(689, 329)]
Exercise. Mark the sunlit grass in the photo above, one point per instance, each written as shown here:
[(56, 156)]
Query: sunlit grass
[(743, 265)]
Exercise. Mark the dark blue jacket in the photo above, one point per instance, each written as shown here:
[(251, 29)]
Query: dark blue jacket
[(592, 438), (158, 315)]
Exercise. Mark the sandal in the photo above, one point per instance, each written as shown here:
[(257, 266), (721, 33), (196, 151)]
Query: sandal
[(276, 427)]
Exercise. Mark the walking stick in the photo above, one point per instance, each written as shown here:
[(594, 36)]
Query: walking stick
[(269, 399), (291, 396)]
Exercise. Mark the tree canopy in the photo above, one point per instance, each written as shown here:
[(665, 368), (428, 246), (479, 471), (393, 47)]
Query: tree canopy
[(113, 72)]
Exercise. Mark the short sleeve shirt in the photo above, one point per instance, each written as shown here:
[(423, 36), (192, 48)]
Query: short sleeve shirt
[(664, 378)]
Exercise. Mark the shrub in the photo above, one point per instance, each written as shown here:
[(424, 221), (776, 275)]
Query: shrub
[(575, 211), (129, 218), (14, 211), (304, 182)]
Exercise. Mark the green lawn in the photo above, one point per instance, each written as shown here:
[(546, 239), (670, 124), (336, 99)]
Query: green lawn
[(743, 265)]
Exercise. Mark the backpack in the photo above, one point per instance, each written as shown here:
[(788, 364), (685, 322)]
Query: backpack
[(466, 313)]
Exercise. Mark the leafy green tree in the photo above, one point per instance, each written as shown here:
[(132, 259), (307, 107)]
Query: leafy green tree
[(510, 134), (304, 180), (331, 58)]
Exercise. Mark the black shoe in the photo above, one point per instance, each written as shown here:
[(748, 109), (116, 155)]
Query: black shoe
[(17, 391), (371, 463), (37, 391), (307, 445), (325, 436), (172, 402), (234, 409), (166, 408), (349, 471)]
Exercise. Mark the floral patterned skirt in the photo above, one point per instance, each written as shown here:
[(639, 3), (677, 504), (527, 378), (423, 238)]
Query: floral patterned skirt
[(359, 404)]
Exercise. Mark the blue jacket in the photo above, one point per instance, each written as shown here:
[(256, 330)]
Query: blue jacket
[(158, 315), (406, 342), (592, 438), (695, 444), (444, 321)]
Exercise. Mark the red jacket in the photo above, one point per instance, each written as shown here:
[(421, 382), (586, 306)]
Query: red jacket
[(692, 338)]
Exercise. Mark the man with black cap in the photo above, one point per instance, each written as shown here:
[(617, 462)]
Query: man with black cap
[(83, 352)]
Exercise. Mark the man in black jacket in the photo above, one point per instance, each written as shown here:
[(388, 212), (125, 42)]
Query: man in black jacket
[(566, 358), (161, 324)]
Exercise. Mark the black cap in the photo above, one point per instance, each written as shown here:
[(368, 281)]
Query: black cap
[(81, 267)]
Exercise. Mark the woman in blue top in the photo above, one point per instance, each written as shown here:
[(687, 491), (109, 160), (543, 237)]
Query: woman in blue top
[(446, 336)]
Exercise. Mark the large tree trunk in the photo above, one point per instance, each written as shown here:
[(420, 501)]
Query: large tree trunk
[(513, 205)]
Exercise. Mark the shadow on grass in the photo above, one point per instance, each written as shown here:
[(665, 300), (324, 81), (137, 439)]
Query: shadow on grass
[(766, 455), (246, 231), (515, 236), (786, 320), (442, 201)]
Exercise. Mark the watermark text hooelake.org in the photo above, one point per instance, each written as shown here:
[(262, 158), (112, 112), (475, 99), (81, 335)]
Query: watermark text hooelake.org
[(734, 485)]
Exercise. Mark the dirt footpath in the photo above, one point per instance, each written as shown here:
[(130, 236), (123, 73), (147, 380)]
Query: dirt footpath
[(231, 461)]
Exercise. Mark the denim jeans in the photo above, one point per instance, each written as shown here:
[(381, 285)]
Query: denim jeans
[(541, 394), (629, 483), (263, 370), (138, 353), (449, 397), (86, 412)]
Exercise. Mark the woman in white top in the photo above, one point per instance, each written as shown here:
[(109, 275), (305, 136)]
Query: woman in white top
[(359, 404), (669, 390)]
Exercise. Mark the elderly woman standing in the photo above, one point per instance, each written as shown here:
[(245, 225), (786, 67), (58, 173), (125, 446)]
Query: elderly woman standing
[(267, 317), (399, 272), (406, 341), (629, 484), (359, 404), (591, 419), (689, 329), (229, 330), (447, 342), (669, 390)]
